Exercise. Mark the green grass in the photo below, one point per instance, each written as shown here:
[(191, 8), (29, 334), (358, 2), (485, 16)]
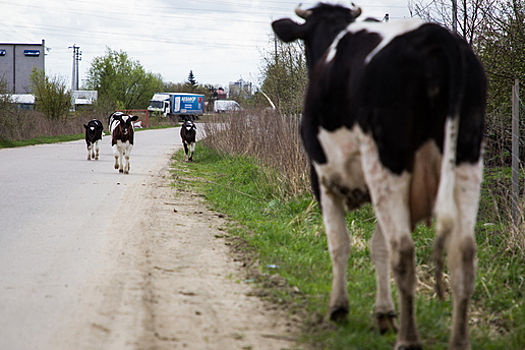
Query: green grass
[(41, 140), (289, 233), (61, 138)]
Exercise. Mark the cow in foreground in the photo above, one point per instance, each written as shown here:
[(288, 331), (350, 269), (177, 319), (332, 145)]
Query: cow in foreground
[(188, 132), (94, 132), (394, 114), (122, 132)]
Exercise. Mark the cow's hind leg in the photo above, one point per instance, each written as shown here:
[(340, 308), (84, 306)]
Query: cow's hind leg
[(461, 251), (384, 307), (89, 146), (390, 195), (339, 247)]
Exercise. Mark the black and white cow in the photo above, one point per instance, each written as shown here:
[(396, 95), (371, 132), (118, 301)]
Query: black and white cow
[(394, 113), (122, 133), (188, 132), (94, 132)]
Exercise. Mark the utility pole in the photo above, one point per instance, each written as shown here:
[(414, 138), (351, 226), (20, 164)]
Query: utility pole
[(77, 57), (455, 16)]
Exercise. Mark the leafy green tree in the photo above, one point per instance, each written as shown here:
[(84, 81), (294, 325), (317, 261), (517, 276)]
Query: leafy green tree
[(51, 95), (285, 77), (121, 82)]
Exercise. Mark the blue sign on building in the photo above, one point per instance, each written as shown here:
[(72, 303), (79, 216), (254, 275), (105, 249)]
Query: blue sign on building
[(32, 52), (2, 52)]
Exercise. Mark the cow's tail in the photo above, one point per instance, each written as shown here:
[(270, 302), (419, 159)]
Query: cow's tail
[(445, 208)]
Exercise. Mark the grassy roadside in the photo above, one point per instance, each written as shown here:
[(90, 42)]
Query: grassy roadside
[(288, 238)]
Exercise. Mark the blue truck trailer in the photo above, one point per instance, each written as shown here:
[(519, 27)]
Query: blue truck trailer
[(183, 106)]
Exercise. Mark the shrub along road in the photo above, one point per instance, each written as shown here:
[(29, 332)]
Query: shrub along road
[(94, 259)]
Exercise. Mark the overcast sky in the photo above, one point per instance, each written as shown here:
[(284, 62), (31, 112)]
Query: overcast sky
[(220, 40)]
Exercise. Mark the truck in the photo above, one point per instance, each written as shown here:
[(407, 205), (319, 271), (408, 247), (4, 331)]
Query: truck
[(222, 106), (181, 105)]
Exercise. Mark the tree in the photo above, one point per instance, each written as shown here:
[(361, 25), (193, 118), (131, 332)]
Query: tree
[(470, 14), (285, 77), (51, 94), (121, 82), (191, 83)]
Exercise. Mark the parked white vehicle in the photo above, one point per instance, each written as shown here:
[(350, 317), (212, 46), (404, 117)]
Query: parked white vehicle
[(221, 106)]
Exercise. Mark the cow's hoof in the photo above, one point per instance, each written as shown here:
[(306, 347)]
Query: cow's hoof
[(386, 321), (126, 172), (415, 346), (338, 314), (121, 171)]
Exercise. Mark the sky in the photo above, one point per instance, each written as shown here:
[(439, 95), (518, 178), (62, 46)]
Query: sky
[(221, 41)]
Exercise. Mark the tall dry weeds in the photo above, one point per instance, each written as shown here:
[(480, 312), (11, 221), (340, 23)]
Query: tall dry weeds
[(267, 136)]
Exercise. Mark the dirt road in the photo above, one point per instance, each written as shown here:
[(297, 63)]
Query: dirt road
[(169, 282), (161, 278)]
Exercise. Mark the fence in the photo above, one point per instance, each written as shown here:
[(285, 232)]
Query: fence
[(518, 111)]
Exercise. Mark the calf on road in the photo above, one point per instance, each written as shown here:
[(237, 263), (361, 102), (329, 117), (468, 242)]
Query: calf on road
[(188, 132), (394, 113), (94, 131), (122, 132)]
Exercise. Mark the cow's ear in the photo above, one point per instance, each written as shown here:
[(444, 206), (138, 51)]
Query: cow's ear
[(288, 30), (133, 118), (85, 126)]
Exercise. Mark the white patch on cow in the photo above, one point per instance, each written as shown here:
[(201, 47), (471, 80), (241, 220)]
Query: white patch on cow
[(387, 31), (114, 124), (343, 166), (446, 210), (332, 50)]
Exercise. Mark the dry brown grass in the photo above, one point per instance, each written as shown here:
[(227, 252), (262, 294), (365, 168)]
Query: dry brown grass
[(265, 135), (18, 125)]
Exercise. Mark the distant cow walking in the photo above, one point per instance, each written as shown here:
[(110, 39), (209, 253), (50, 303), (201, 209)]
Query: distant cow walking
[(94, 131), (187, 133), (121, 126), (394, 114)]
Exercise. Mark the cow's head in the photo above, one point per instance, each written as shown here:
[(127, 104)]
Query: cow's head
[(321, 26), (125, 122), (188, 125)]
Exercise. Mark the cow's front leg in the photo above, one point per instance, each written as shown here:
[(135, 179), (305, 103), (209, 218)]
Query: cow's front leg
[(126, 166), (116, 155), (97, 149), (89, 146), (185, 148), (339, 247), (192, 149), (121, 161), (385, 312)]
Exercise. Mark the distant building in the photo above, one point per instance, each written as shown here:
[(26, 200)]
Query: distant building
[(240, 88), (17, 62), (221, 94)]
